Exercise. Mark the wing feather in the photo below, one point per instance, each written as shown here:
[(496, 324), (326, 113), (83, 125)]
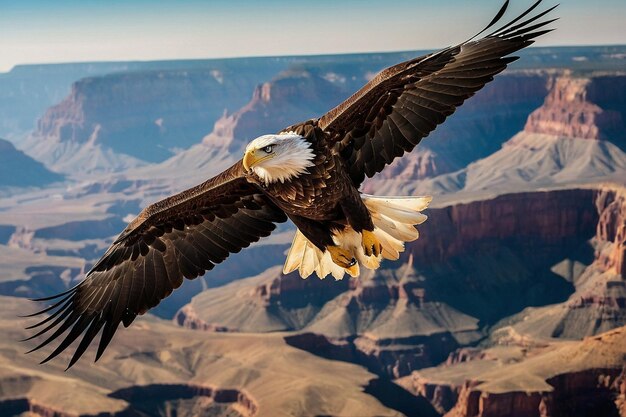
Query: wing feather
[(180, 237), (404, 103)]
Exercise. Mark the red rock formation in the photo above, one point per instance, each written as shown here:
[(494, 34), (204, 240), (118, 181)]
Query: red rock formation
[(293, 290), (575, 107), (153, 394), (465, 355), (612, 229), (278, 104), (442, 396), (553, 217), (397, 357), (246, 404), (599, 303), (581, 379), (578, 393), (421, 163), (66, 120), (472, 403)]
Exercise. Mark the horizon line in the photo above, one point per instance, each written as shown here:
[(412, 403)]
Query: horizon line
[(114, 61)]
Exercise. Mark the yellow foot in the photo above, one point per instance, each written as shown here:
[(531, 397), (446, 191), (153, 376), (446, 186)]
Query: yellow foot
[(353, 271), (341, 256), (371, 245)]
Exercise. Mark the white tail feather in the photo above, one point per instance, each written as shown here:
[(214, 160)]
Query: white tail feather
[(394, 219)]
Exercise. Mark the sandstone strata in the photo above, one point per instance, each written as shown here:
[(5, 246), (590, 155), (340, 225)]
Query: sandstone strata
[(120, 121), (485, 382), (599, 301), (564, 378), (582, 107), (577, 135), (468, 135), (612, 230)]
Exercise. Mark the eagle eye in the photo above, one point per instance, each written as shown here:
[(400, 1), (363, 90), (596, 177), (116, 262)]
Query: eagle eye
[(268, 149)]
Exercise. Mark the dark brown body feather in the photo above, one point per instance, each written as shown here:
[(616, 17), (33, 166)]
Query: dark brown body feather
[(325, 198), (189, 233)]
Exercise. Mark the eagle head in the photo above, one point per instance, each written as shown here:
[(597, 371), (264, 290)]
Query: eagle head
[(278, 157)]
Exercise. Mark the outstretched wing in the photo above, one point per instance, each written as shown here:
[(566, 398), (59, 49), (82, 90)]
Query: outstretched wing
[(181, 236), (404, 103)]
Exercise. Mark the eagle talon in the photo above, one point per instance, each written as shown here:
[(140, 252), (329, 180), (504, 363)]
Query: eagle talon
[(341, 257), (371, 244)]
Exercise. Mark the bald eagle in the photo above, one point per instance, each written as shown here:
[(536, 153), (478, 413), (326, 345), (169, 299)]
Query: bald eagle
[(309, 173)]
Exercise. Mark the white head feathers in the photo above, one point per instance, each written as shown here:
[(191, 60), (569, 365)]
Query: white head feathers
[(289, 156)]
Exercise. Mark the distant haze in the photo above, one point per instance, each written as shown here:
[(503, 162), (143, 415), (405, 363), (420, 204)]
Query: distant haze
[(38, 31)]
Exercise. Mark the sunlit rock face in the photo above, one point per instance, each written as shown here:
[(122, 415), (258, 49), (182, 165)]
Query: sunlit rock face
[(574, 378), (582, 107)]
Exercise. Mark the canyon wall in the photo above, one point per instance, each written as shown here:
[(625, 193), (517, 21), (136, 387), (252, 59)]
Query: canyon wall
[(145, 115), (469, 382), (611, 229), (598, 303), (553, 218)]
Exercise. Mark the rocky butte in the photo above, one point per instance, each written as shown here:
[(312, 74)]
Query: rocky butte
[(583, 107)]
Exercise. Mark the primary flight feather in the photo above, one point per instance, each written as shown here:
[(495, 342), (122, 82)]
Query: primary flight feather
[(309, 173)]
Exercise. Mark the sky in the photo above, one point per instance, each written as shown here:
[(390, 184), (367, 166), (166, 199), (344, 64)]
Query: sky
[(47, 31)]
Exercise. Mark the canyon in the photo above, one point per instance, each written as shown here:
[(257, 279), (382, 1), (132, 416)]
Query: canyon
[(562, 359), (513, 299)]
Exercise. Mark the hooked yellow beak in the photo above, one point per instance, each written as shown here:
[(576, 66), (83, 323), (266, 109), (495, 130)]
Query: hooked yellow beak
[(254, 156)]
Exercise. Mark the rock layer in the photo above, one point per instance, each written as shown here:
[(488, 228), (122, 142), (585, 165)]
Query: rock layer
[(561, 379), (612, 230), (124, 120), (582, 107), (599, 301)]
